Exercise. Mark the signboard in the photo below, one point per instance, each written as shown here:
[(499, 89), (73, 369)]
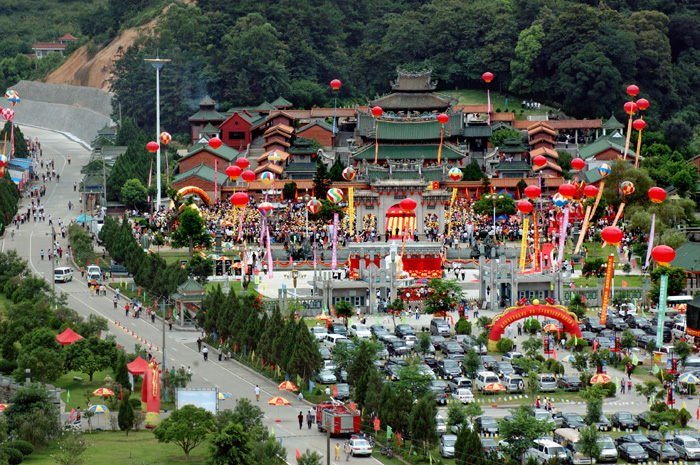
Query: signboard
[(205, 398), (663, 289)]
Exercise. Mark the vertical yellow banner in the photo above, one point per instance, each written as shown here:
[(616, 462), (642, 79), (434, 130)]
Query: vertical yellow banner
[(586, 219), (449, 217), (606, 290), (523, 245), (351, 210), (535, 259)]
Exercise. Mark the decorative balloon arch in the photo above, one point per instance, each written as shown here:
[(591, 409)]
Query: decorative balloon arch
[(196, 191), (513, 314)]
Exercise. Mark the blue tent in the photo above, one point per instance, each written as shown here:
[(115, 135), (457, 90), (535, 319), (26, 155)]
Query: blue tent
[(83, 218), (503, 191), (501, 218)]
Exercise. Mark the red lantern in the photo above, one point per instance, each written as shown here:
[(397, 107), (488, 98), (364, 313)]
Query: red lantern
[(377, 112), (239, 199), (335, 84), (642, 104), (242, 163), (248, 176), (215, 143), (663, 254), (639, 124), (532, 192), (590, 191), (657, 194), (612, 235), (632, 90), (524, 207), (443, 118), (408, 205), (567, 190), (487, 76), (539, 161), (233, 172), (152, 147), (578, 164), (630, 108)]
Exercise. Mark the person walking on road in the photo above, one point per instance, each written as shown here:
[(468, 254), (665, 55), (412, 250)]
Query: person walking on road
[(170, 323), (348, 450), (301, 420), (126, 310), (199, 344), (337, 451), (309, 419), (257, 393), (115, 301), (205, 351)]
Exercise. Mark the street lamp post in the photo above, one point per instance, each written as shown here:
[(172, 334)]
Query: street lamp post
[(158, 64), (306, 211)]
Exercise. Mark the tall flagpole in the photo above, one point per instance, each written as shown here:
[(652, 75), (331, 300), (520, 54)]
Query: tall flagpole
[(158, 64)]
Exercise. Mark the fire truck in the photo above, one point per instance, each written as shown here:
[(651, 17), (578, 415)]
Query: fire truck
[(339, 418)]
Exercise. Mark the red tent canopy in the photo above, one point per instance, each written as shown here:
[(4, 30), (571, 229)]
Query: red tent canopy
[(138, 366), (68, 337)]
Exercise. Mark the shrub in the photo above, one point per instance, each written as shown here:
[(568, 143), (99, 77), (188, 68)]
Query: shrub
[(7, 366), (532, 326), (463, 326), (504, 345), (659, 407), (135, 403), (683, 416), (610, 389), (24, 447), (14, 456)]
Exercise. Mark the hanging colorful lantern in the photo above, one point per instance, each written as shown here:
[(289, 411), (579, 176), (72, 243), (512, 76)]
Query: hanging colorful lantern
[(165, 138), (248, 176), (267, 178), (630, 108), (627, 188), (663, 254), (335, 195), (335, 84), (632, 90), (215, 142), (233, 172), (274, 158), (524, 207), (590, 191), (532, 192), (539, 161), (455, 174), (604, 170), (14, 100), (266, 209), (487, 76), (656, 194), (612, 235), (567, 190), (9, 93), (407, 205), (314, 206), (443, 118), (239, 199), (242, 163), (349, 173), (639, 124), (7, 114), (642, 104), (152, 147), (377, 112), (3, 161), (558, 200), (578, 164)]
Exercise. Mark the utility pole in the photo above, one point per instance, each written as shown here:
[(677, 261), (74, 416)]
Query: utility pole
[(157, 64), (164, 364)]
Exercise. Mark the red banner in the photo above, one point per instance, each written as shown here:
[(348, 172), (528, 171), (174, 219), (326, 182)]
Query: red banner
[(606, 290)]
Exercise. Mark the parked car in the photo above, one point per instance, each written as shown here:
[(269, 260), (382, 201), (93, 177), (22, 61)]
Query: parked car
[(661, 451), (569, 383), (463, 395), (687, 447), (439, 326), (483, 379), (343, 391), (604, 342), (573, 420), (603, 423), (642, 341), (360, 447), (378, 329), (588, 336), (645, 421), (325, 352), (339, 329), (438, 385), (449, 369), (616, 324), (608, 451), (624, 420), (447, 445), (490, 446), (546, 382), (460, 382), (515, 384), (503, 368), (360, 331), (451, 347), (632, 452), (397, 347), (637, 333), (511, 356), (488, 361), (441, 398), (593, 324), (411, 341), (319, 332), (440, 425), (325, 377), (655, 436), (486, 424), (436, 341), (404, 330)]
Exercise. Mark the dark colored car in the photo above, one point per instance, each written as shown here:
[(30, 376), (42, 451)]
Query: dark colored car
[(603, 423), (638, 322), (343, 391), (642, 341), (340, 329), (573, 420), (486, 425), (632, 452), (377, 330), (616, 324), (569, 383), (398, 347), (588, 336), (430, 360), (437, 385), (661, 451), (645, 421), (404, 330), (503, 368), (449, 369), (636, 438), (451, 347), (593, 324), (624, 420), (489, 446), (436, 341), (604, 342), (488, 361)]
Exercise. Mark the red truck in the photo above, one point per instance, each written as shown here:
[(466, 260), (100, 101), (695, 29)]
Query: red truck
[(341, 419)]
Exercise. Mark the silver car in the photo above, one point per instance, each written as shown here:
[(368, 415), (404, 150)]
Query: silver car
[(447, 445)]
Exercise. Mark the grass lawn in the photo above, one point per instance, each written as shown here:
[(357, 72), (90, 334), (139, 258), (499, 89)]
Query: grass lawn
[(115, 448), (477, 97), (174, 255), (233, 285), (631, 280), (78, 389)]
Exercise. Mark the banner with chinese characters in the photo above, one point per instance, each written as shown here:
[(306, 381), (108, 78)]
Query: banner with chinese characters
[(606, 289), (663, 290), (523, 245)]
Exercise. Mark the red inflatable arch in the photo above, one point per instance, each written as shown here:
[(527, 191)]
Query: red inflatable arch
[(197, 191), (513, 314)]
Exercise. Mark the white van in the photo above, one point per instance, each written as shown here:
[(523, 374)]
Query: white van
[(332, 339), (678, 330), (93, 269), (484, 378), (319, 332), (544, 450), (608, 452), (63, 274), (569, 438)]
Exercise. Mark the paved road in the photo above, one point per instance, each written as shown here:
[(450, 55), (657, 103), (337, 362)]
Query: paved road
[(181, 346)]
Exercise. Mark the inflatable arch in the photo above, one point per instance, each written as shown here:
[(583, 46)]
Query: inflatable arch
[(197, 191), (513, 314)]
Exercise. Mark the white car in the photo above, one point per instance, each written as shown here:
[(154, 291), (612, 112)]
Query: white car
[(463, 395), (319, 332), (93, 269), (410, 341), (447, 445), (360, 331), (360, 447), (440, 426)]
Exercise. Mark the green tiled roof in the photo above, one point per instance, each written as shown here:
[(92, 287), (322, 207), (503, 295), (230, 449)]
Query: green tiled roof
[(405, 175), (300, 167), (281, 102), (405, 130), (515, 166), (478, 130), (206, 101), (688, 257), (224, 151), (408, 152), (191, 286), (265, 106), (432, 175), (414, 101), (206, 115), (201, 171), (92, 182), (377, 175), (591, 176), (321, 124), (209, 129), (612, 123), (604, 143)]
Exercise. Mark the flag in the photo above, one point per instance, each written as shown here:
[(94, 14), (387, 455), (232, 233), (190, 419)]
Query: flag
[(656, 368), (595, 345), (433, 186), (431, 458), (68, 396), (685, 406), (624, 283), (697, 413), (297, 453), (388, 432), (298, 380), (121, 395), (635, 359), (272, 432), (376, 424), (262, 361), (72, 412), (398, 439), (311, 386)]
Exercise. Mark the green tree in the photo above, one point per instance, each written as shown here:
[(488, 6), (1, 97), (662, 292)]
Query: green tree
[(46, 364), (305, 358), (125, 418), (676, 281), (504, 345), (362, 360), (71, 450), (525, 67), (593, 266), (121, 376), (231, 446), (200, 267), (186, 427), (589, 443), (593, 395), (468, 448), (322, 181), (91, 354), (521, 430), (463, 326), (628, 341), (344, 309), (472, 172), (532, 346), (289, 191), (133, 193), (472, 362), (504, 205), (500, 136), (578, 306), (190, 232), (423, 423), (446, 295), (683, 350), (32, 416), (336, 172), (310, 457)]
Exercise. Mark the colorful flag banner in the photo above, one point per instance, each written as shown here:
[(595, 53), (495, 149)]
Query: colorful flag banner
[(523, 244), (562, 235), (663, 290), (606, 289), (651, 240), (334, 255)]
